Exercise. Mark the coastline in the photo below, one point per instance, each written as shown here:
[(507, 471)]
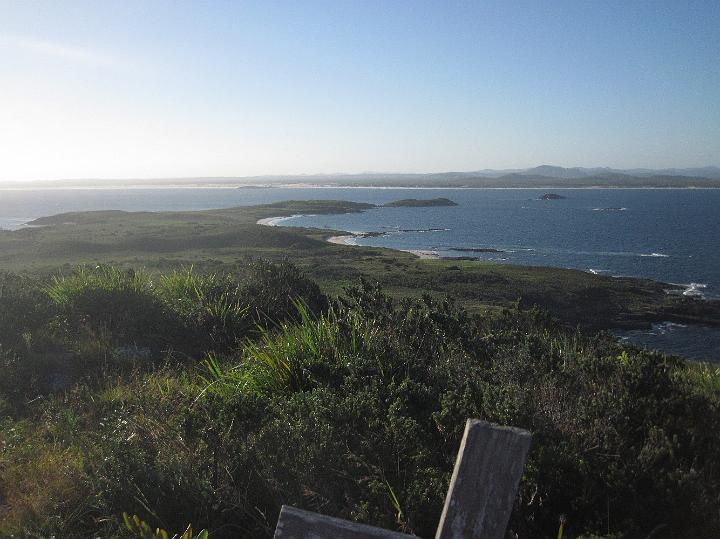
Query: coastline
[(346, 239), (689, 290), (350, 239), (275, 221)]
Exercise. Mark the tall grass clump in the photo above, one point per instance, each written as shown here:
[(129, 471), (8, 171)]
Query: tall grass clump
[(295, 355), (108, 308), (218, 311), (111, 307), (102, 278), (212, 308)]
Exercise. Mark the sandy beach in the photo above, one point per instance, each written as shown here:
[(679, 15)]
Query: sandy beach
[(350, 239)]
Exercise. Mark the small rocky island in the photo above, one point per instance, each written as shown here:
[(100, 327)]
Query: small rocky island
[(420, 203), (552, 196)]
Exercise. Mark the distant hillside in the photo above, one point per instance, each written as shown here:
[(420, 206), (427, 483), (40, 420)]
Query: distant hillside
[(543, 176)]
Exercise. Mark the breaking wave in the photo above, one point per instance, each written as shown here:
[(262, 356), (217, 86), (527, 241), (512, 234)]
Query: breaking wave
[(655, 255), (695, 289)]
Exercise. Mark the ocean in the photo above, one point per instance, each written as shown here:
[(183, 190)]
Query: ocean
[(670, 235)]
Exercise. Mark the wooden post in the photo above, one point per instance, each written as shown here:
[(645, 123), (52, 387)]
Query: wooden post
[(298, 524), (484, 483), (478, 503)]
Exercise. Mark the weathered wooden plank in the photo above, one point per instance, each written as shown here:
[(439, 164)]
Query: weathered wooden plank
[(484, 482), (298, 524)]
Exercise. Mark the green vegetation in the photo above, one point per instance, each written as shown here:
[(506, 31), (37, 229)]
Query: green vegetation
[(141, 529), (420, 203), (179, 377), (115, 401)]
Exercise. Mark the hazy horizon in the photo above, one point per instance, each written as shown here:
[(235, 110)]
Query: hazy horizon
[(163, 90), (489, 173)]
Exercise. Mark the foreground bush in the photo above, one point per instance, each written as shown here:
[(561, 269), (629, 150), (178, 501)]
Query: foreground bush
[(24, 308), (357, 411), (101, 320), (185, 310)]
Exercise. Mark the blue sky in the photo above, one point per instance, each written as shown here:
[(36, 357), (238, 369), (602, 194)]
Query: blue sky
[(113, 89)]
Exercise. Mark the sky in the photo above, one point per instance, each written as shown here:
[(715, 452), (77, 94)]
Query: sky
[(153, 88)]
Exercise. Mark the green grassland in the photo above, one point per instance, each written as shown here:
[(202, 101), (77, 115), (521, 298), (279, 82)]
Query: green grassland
[(225, 239)]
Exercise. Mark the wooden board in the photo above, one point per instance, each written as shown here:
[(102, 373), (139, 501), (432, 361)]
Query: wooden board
[(484, 483), (298, 524)]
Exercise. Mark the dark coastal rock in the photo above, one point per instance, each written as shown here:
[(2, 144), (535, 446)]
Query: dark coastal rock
[(420, 203), (552, 196), (476, 250)]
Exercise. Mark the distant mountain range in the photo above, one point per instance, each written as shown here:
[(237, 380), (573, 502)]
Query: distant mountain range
[(544, 176), (540, 177), (550, 171)]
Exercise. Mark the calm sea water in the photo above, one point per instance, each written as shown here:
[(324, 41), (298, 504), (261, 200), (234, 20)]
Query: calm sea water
[(667, 235)]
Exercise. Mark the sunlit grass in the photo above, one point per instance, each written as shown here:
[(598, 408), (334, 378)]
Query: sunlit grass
[(41, 480), (109, 279), (281, 359)]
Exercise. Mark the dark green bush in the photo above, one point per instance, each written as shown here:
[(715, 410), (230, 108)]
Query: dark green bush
[(274, 290), (24, 309), (111, 307), (357, 411), (359, 414)]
